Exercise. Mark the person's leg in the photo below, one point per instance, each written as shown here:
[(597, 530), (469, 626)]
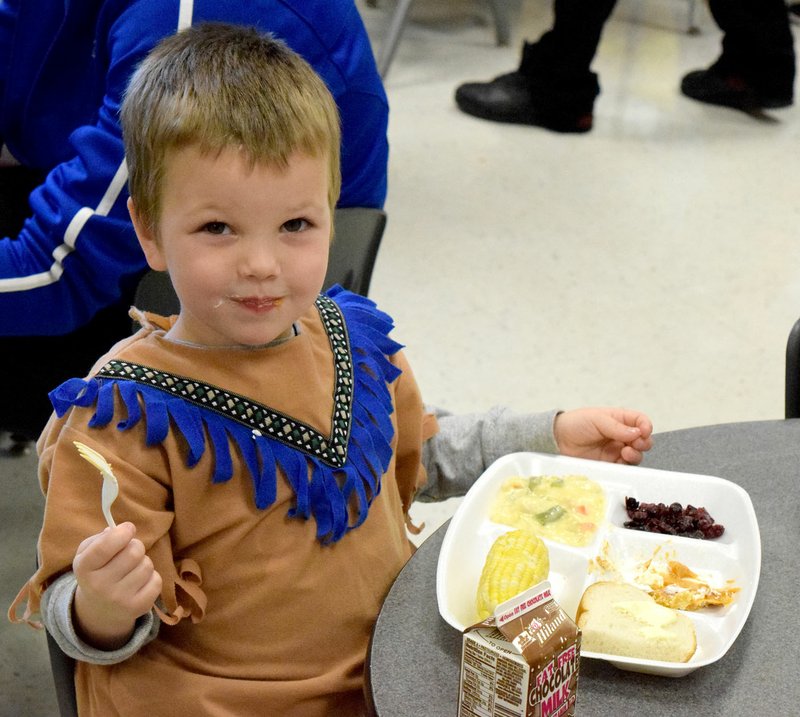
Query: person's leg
[(16, 184), (31, 366), (571, 44), (554, 86), (757, 65)]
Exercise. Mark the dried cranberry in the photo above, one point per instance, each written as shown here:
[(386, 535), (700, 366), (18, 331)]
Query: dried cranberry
[(671, 519)]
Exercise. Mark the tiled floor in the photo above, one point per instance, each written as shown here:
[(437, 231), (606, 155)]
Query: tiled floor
[(653, 262)]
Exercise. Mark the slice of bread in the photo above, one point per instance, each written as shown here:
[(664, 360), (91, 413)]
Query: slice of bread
[(619, 619)]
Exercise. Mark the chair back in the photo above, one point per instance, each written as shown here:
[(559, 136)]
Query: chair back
[(357, 236), (792, 389), (63, 668)]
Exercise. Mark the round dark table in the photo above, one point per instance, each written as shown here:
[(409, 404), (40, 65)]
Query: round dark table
[(414, 657)]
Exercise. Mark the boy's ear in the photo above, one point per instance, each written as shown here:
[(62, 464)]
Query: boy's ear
[(147, 240)]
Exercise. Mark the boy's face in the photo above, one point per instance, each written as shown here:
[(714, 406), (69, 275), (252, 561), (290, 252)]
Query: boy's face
[(246, 246)]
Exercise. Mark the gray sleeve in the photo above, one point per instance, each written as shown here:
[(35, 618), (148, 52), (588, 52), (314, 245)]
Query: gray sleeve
[(468, 444), (56, 610)]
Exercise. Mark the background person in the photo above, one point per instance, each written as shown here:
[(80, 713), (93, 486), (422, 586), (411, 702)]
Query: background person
[(555, 88)]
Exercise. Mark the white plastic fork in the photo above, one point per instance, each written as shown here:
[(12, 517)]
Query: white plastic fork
[(110, 485)]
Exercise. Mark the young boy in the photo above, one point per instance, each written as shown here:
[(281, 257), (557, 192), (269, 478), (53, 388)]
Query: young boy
[(267, 441)]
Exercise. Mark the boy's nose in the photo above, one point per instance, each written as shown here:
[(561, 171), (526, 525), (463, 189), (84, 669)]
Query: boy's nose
[(259, 259)]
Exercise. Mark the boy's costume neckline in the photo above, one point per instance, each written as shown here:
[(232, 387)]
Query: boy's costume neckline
[(330, 449), (334, 477)]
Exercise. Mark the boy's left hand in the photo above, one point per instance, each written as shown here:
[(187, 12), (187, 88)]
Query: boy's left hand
[(617, 435)]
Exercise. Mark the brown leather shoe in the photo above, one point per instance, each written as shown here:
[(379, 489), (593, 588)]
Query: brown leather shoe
[(508, 98)]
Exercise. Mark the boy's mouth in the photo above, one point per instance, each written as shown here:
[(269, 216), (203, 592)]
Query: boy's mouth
[(259, 303)]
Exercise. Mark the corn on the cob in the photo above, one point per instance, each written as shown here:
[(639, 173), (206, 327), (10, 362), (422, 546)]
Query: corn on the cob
[(516, 561)]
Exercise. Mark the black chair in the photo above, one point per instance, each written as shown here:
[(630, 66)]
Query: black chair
[(63, 668), (792, 397), (357, 235)]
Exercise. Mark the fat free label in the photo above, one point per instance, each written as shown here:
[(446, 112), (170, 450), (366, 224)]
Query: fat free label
[(552, 694)]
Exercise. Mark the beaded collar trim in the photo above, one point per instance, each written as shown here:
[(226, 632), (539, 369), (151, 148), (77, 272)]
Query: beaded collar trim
[(330, 449)]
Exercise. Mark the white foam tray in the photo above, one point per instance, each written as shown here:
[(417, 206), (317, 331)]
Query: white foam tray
[(735, 556)]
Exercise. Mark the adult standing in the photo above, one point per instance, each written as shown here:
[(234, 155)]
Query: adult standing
[(555, 88)]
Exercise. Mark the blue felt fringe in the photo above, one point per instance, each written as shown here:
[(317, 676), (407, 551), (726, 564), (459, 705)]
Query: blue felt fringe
[(321, 492)]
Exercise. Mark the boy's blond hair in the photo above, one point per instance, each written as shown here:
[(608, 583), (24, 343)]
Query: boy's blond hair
[(216, 86)]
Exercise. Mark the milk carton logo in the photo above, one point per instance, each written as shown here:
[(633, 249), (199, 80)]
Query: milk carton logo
[(552, 692)]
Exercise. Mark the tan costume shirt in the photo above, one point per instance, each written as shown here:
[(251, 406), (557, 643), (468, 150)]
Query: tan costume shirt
[(269, 618)]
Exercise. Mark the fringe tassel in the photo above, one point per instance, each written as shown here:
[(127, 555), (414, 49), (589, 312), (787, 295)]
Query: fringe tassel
[(329, 495)]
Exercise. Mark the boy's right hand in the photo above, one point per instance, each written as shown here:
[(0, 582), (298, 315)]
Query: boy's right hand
[(117, 583)]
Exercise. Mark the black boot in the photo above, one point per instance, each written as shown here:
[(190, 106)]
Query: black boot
[(717, 87), (756, 68), (544, 92), (509, 98)]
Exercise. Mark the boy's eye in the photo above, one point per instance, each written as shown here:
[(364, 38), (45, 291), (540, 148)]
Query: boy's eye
[(216, 228), (295, 225)]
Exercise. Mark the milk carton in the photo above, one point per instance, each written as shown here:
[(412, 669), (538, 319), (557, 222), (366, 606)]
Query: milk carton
[(522, 661)]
